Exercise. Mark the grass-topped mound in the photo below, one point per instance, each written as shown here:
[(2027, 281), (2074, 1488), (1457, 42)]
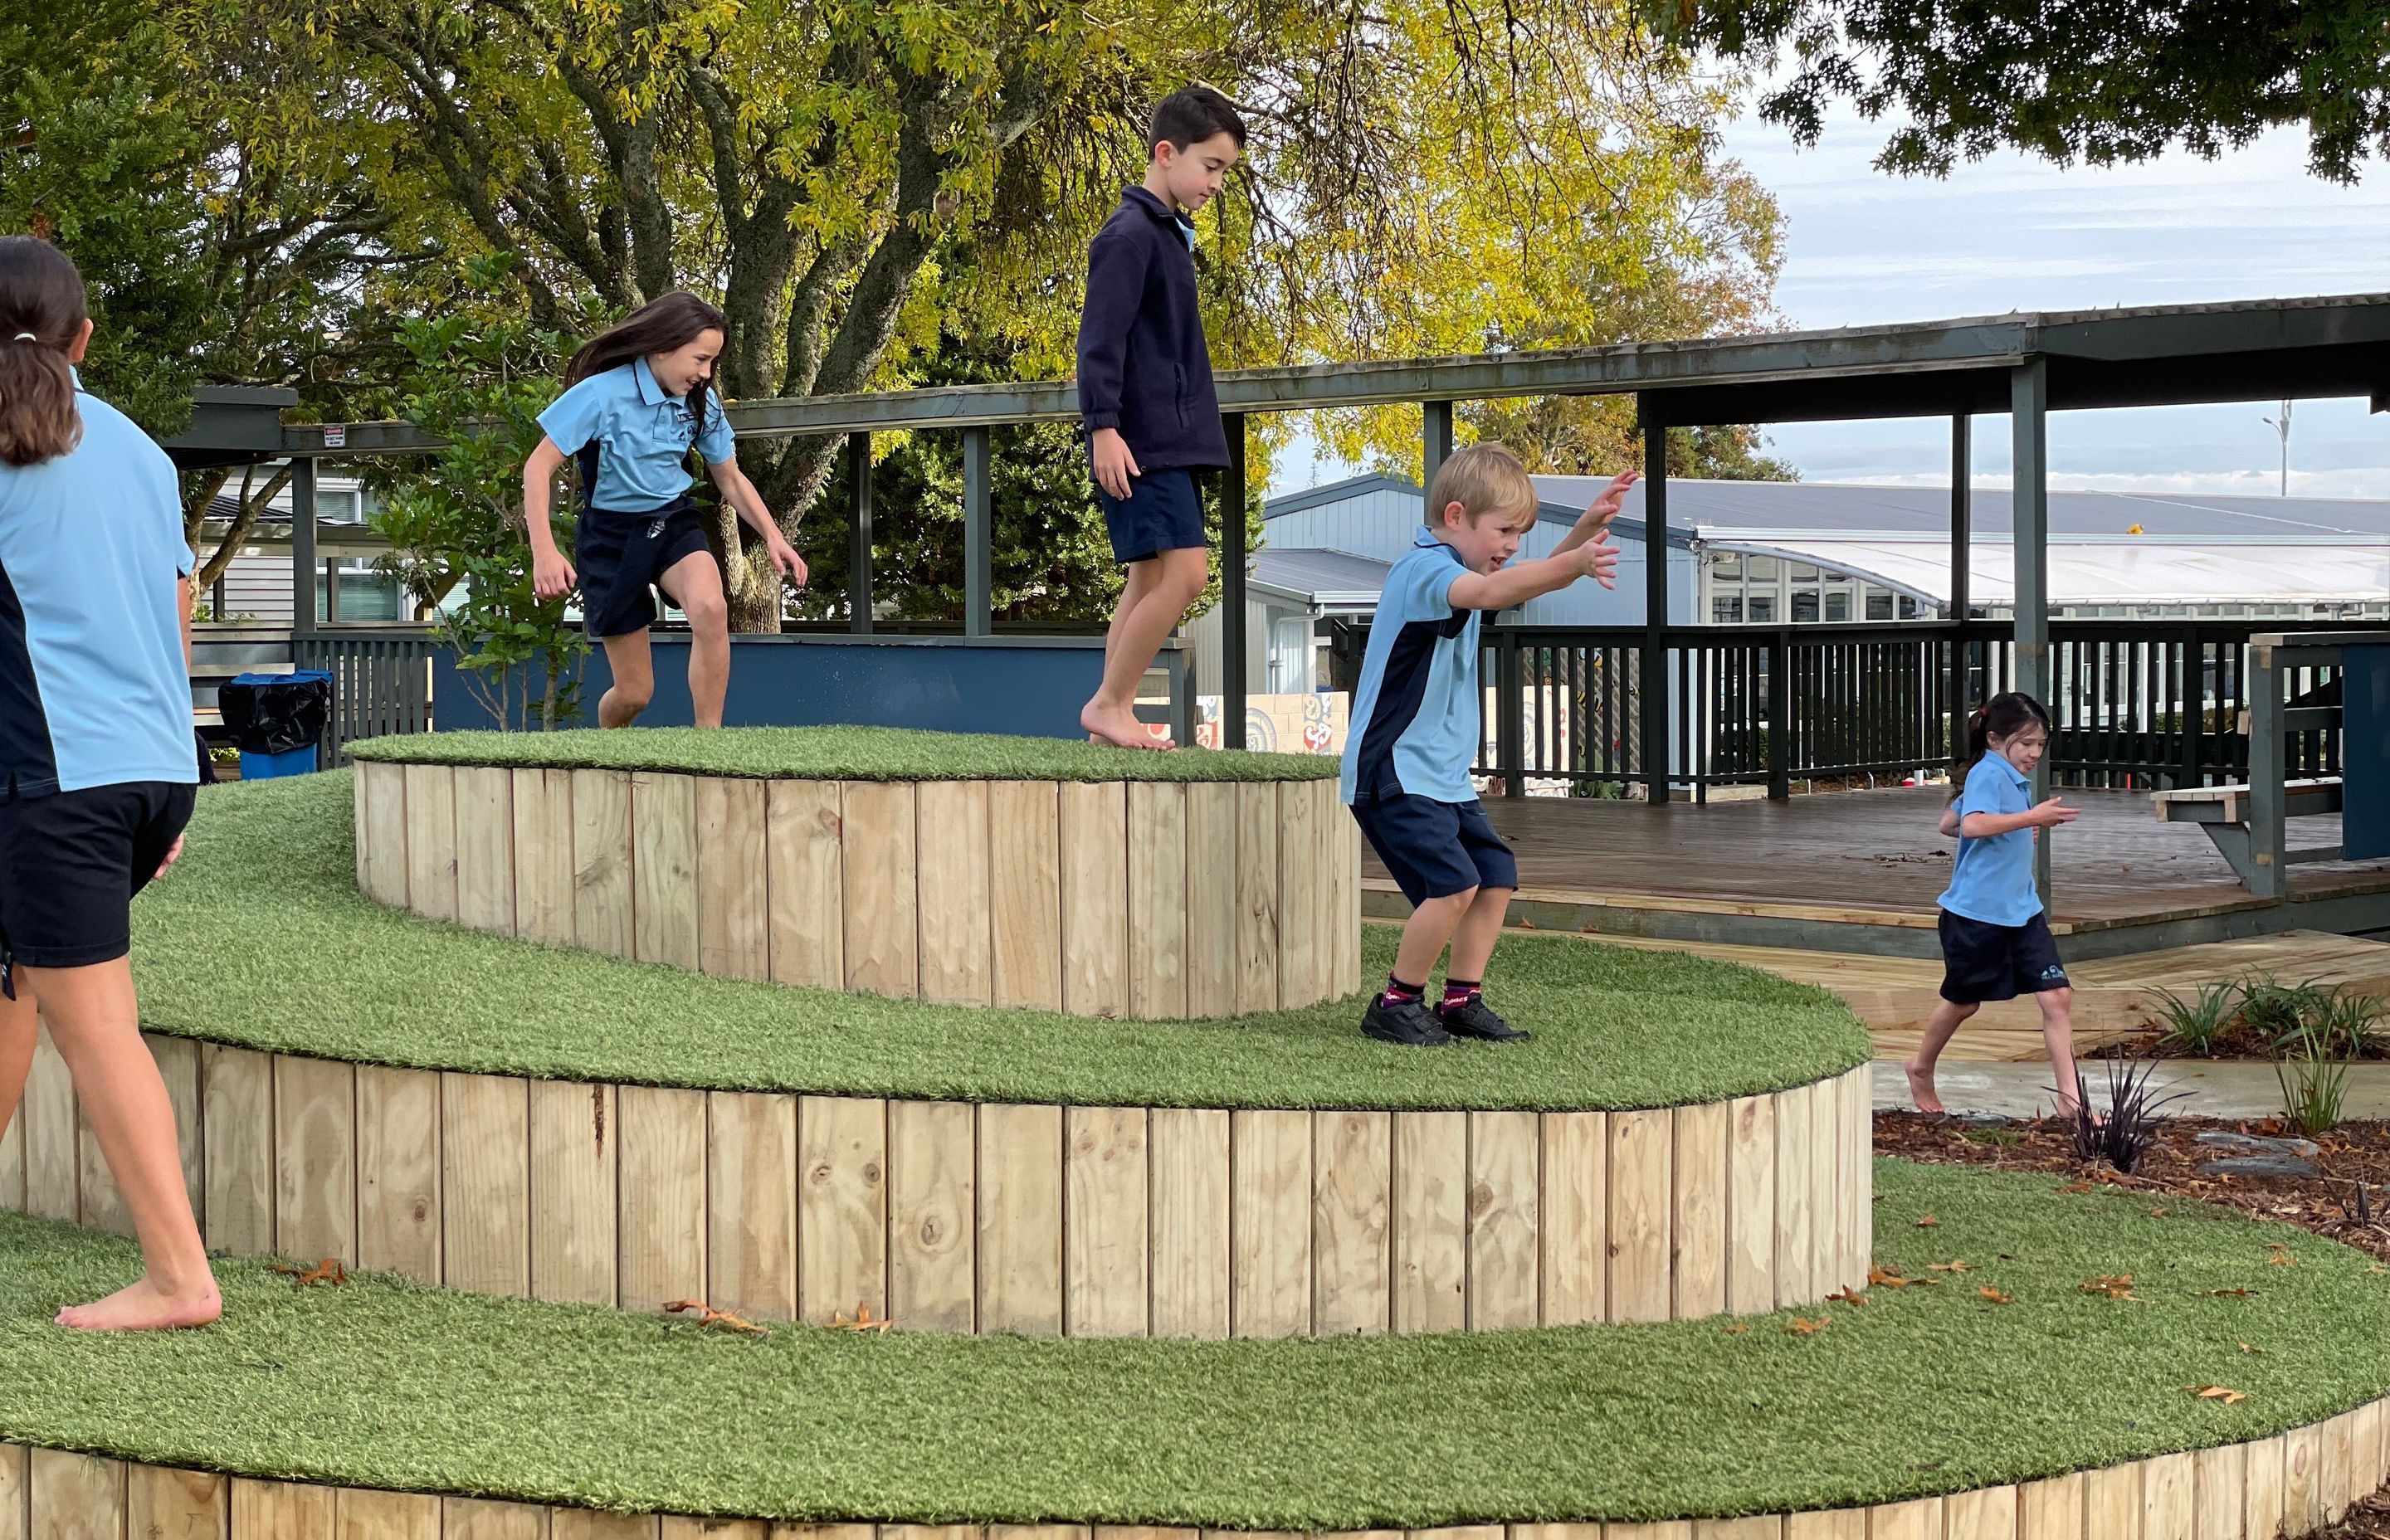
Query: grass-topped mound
[(840, 753), (2008, 1372), (259, 937)]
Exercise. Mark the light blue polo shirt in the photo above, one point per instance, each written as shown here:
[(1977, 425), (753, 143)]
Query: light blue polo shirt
[(1993, 878), (642, 436), (94, 690), (1416, 711)]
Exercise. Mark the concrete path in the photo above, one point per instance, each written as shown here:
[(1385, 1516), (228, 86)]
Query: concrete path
[(2219, 1090)]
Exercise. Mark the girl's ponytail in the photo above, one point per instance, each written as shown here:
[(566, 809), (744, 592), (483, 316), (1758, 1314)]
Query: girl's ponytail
[(42, 314), (2007, 713)]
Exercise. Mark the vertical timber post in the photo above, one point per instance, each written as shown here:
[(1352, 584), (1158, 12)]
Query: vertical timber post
[(979, 535), (1962, 536), (1232, 586), (859, 600), (1653, 676), (2029, 500)]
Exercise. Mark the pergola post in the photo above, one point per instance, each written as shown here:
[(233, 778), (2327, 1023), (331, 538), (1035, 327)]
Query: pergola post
[(859, 600), (1232, 586), (979, 537), (1653, 676), (2029, 500), (1435, 441), (304, 567), (1962, 544)]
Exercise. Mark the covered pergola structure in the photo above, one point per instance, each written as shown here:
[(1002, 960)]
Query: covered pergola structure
[(2026, 366)]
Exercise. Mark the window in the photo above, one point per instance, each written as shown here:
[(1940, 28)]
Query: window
[(1907, 607), (1804, 572), (1762, 609), (1725, 610), (1762, 569), (1879, 605), (1838, 606), (1727, 566), (1805, 605)]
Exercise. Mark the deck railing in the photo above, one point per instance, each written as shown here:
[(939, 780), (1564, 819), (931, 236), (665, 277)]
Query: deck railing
[(2138, 705)]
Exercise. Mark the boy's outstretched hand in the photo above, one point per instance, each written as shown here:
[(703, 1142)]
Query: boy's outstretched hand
[(1597, 558), (1605, 507)]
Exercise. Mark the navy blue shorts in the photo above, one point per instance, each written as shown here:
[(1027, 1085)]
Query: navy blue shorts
[(1435, 849), (1163, 512), (1982, 961), (70, 865), (619, 557)]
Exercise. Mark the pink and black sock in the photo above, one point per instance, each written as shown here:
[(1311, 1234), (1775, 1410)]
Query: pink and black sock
[(1396, 992), (1459, 992)]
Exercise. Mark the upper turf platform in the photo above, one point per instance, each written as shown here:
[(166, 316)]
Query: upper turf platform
[(838, 753), (259, 937)]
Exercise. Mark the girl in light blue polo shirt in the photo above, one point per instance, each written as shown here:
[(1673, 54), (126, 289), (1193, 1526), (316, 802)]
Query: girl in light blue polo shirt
[(96, 770), (637, 402), (1996, 943)]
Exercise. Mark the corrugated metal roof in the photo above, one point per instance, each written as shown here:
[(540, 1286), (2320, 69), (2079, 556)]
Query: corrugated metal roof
[(1335, 579), (2109, 572), (1821, 509)]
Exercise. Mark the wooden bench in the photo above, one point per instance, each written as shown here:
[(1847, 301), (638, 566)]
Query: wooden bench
[(2228, 812)]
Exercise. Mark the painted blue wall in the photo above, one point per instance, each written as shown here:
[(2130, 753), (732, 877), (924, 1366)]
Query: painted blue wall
[(1024, 686)]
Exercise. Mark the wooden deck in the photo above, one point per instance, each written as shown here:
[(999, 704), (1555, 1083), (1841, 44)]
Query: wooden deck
[(1873, 861), (2115, 998)]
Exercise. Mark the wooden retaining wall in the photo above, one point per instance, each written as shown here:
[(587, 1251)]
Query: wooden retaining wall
[(2287, 1485), (1120, 898), (953, 1216)]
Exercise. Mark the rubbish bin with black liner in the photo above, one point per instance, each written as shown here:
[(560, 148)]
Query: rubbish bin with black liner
[(277, 720)]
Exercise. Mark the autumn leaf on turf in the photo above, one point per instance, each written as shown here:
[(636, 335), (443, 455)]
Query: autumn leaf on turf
[(2252, 1352), (1951, 1267), (2157, 1213), (2281, 1259), (2220, 1293), (1848, 1296), (327, 1271), (2116, 1286), (1884, 1277), (1734, 1330), (1928, 1223), (1995, 1296), (1802, 1326), (2216, 1393), (707, 1315), (862, 1322), (2076, 1187)]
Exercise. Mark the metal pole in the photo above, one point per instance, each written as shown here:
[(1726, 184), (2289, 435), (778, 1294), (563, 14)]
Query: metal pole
[(1232, 587), (1436, 438), (2029, 500), (1653, 676), (979, 537), (858, 540), (1961, 547), (302, 547)]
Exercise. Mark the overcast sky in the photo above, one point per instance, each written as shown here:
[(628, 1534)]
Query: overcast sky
[(2013, 233)]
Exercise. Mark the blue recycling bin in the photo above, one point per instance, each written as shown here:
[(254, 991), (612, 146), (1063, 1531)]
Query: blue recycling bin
[(276, 720)]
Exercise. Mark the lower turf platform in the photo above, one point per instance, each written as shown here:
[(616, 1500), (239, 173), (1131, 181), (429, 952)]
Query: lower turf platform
[(1952, 1408)]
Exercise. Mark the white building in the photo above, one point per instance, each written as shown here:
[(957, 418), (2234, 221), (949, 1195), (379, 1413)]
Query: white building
[(1775, 553)]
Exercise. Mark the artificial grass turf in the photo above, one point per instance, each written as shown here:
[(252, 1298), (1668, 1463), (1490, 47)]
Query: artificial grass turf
[(259, 937), (1923, 1390), (840, 753)]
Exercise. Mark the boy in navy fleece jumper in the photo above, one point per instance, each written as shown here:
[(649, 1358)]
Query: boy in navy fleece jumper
[(1146, 396)]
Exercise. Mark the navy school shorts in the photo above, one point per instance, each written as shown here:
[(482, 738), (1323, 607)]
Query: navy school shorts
[(1163, 512), (620, 557), (1982, 962), (1435, 849), (71, 863)]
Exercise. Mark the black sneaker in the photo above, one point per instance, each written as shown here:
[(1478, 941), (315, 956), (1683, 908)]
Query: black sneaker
[(1409, 1022), (1474, 1017)]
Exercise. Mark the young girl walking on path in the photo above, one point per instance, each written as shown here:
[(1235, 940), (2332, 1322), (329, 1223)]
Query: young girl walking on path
[(637, 401), (96, 773), (1996, 943)]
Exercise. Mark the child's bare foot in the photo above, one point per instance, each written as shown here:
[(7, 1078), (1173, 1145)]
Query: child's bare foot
[(144, 1306), (1921, 1087), (1118, 726)]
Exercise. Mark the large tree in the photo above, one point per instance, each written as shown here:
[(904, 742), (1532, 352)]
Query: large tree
[(2104, 81), (860, 183)]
